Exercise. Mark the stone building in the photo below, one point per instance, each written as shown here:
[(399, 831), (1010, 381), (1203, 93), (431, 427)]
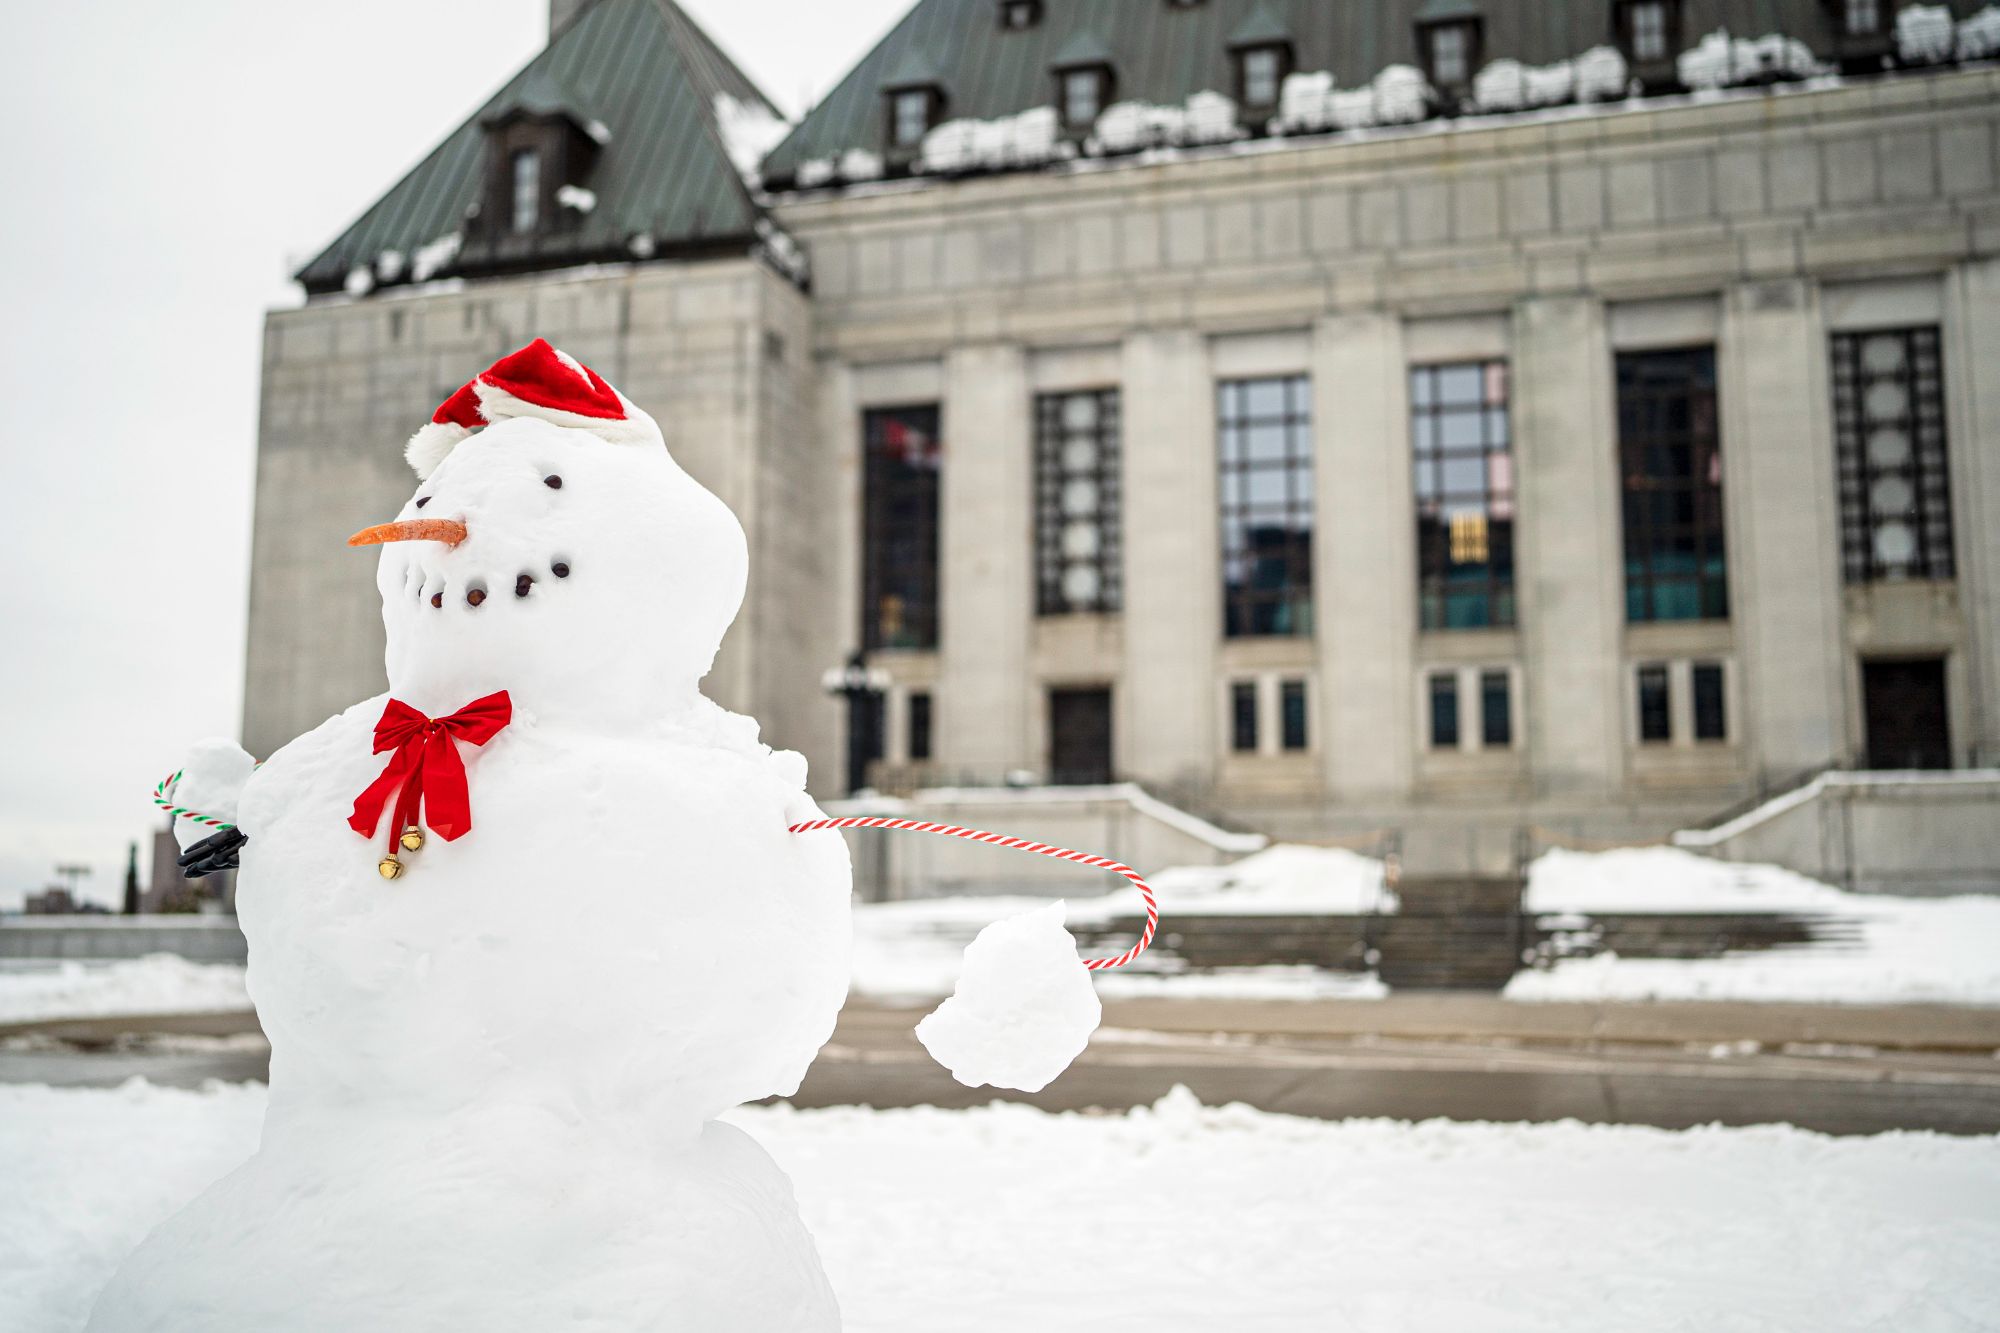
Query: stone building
[(1449, 415)]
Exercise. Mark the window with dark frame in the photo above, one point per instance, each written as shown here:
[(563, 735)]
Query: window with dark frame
[(1264, 454), (1889, 436), (1655, 713), (1461, 447), (1293, 734), (1711, 717), (525, 214), (1082, 95), (1649, 29), (910, 113), (1444, 710), (1496, 712), (1861, 18), (1260, 75), (1243, 717), (1077, 503), (1670, 456), (1451, 53), (1020, 15), (899, 574), (919, 745)]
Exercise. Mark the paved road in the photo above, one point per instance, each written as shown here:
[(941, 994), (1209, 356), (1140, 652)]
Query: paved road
[(874, 1059)]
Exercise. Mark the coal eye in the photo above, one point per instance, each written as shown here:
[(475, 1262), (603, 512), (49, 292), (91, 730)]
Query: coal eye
[(423, 500), (553, 483)]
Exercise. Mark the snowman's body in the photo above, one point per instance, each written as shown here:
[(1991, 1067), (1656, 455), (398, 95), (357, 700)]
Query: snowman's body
[(494, 1078)]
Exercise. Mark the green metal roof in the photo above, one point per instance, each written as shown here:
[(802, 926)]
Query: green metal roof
[(648, 76), (1163, 53)]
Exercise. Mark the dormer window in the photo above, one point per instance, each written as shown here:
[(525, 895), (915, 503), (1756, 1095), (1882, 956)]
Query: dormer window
[(1260, 75), (912, 112), (525, 191), (1020, 15), (1649, 30), (1451, 53), (1861, 18), (1083, 95)]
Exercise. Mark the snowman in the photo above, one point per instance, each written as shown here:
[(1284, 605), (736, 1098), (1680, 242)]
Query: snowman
[(521, 928)]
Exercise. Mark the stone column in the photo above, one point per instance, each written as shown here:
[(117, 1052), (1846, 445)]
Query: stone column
[(1364, 554), (1783, 531), (1166, 713), (1569, 550), (1971, 344), (986, 578)]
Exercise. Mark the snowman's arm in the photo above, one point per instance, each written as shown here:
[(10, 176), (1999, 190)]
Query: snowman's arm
[(209, 787)]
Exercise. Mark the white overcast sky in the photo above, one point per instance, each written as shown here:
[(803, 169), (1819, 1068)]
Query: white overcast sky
[(167, 163)]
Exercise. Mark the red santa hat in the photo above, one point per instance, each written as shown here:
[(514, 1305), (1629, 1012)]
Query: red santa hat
[(537, 381)]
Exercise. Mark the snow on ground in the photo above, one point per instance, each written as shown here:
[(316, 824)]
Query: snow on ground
[(158, 983), (1908, 950), (1282, 880), (1182, 1217)]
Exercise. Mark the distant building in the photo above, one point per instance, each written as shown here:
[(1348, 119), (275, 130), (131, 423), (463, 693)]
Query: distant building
[(59, 901), (1430, 413)]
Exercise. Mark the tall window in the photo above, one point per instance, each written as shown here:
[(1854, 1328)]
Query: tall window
[(1444, 710), (1655, 712), (1711, 716), (1496, 714), (1082, 96), (1076, 502), (526, 213), (920, 726), (1264, 438), (1243, 717), (1292, 715), (909, 117), (1260, 75), (1888, 419), (1648, 26), (1465, 495), (899, 594), (1671, 457)]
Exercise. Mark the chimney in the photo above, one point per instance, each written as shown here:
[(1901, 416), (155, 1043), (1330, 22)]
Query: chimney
[(561, 12)]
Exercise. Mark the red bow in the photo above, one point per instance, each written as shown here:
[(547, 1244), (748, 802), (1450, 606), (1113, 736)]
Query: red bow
[(427, 767)]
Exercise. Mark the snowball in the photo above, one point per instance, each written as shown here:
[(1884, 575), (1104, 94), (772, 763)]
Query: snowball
[(1024, 1007), (211, 781)]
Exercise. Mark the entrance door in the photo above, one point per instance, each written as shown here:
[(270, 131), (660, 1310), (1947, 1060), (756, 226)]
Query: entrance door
[(1904, 703), (1080, 736)]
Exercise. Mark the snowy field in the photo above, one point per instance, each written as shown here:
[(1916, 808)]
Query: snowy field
[(1185, 1217)]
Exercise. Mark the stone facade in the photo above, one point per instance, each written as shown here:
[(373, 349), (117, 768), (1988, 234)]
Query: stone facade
[(1759, 224)]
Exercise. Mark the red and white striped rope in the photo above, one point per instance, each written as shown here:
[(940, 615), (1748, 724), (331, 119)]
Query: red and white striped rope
[(160, 799), (1021, 845)]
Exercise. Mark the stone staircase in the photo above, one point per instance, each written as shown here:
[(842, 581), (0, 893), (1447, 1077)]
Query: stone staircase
[(1453, 933)]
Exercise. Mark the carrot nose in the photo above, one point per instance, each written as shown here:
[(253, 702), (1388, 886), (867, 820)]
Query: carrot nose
[(445, 530)]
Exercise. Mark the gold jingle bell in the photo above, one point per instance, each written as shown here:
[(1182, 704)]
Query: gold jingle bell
[(412, 839), (390, 867)]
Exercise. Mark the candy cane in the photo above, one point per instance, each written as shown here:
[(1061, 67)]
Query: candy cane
[(1018, 844), (180, 811)]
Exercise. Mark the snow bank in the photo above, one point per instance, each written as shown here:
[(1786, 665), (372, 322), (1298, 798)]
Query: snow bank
[(434, 256), (1030, 139), (856, 164), (1129, 127), (159, 983), (1185, 1216), (1926, 35), (1287, 878), (1720, 60), (1908, 950), (1597, 75), (1667, 879), (1310, 102)]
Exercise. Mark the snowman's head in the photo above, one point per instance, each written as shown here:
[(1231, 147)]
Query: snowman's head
[(559, 554)]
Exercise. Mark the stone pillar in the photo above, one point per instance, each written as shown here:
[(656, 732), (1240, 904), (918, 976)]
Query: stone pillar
[(1971, 343), (1783, 531), (985, 570), (1364, 556), (1168, 705), (1569, 550)]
